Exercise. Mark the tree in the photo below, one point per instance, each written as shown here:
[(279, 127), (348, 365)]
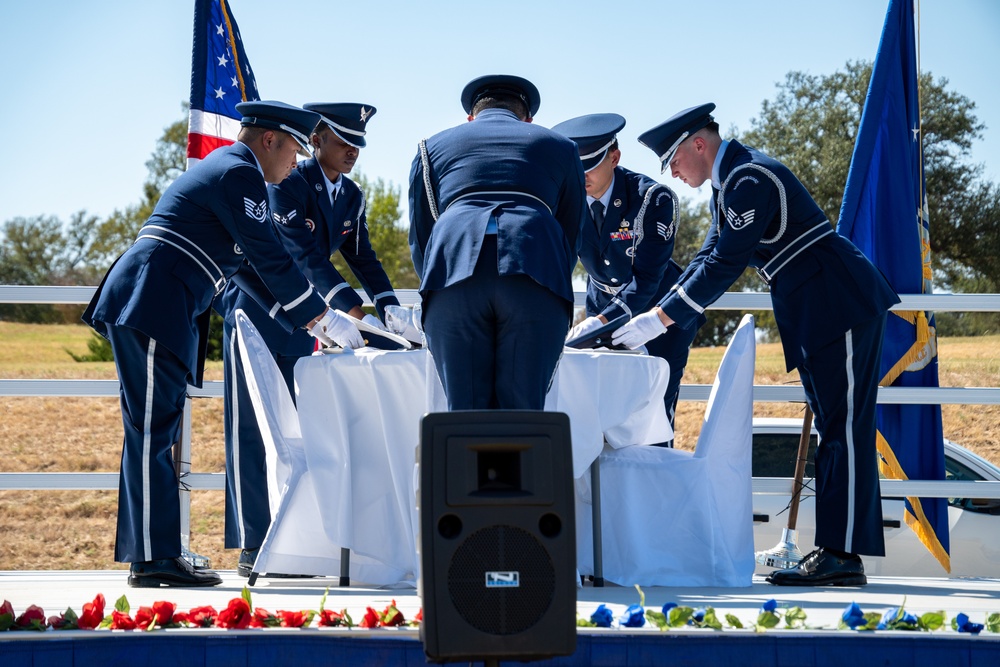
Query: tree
[(812, 124)]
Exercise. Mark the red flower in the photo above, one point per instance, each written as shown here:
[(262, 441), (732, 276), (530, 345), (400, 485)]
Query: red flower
[(419, 618), (202, 617), (144, 618), (236, 616), (391, 616), (165, 613), (120, 620), (330, 618), (294, 619), (64, 621), (33, 618), (371, 619), (262, 618), (92, 614)]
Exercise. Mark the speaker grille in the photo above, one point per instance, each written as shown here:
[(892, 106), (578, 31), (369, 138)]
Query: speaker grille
[(501, 611)]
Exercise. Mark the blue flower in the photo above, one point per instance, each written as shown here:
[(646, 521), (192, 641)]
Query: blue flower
[(698, 616), (888, 618), (602, 617), (853, 616), (770, 605), (667, 607), (963, 624), (634, 617)]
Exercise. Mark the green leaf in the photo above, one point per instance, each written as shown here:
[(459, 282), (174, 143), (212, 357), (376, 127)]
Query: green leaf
[(711, 620), (6, 621), (322, 600), (246, 596), (679, 616), (767, 619), (993, 622), (873, 618), (734, 622), (932, 620), (657, 618), (582, 622), (121, 604), (795, 617)]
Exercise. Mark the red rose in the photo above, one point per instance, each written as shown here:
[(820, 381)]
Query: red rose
[(33, 618), (144, 618), (202, 617), (236, 616), (262, 618), (419, 618), (92, 614), (64, 621), (294, 619), (391, 616), (330, 618), (164, 613), (121, 621), (371, 619)]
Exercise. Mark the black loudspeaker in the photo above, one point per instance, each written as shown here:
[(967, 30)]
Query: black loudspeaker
[(497, 535)]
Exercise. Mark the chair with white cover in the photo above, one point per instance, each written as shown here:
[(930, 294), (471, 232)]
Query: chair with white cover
[(296, 542), (673, 518)]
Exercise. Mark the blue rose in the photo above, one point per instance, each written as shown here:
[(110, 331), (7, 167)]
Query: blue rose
[(698, 616), (853, 616), (634, 617), (770, 605), (963, 624), (667, 607), (602, 617), (888, 618)]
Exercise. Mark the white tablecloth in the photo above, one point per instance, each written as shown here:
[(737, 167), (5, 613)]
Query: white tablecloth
[(360, 415)]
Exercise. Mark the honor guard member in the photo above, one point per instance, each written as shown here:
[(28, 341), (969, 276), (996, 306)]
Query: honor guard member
[(496, 207), (627, 243), (316, 212), (830, 306), (210, 226)]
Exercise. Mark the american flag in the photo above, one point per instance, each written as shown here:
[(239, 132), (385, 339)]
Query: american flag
[(220, 79)]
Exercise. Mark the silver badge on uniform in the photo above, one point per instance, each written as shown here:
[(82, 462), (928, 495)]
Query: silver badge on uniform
[(255, 210), (348, 223), (319, 187), (618, 203), (630, 251), (237, 249), (739, 220), (365, 114), (625, 224)]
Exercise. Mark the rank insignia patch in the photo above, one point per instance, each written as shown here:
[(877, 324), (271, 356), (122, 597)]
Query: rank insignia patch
[(739, 220)]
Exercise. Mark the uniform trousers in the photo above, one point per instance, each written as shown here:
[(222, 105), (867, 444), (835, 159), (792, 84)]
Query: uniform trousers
[(248, 515), (153, 391), (841, 385), (495, 340)]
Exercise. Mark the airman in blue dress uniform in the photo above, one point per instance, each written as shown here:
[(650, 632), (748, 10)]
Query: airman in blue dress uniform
[(627, 243), (830, 305), (496, 208), (316, 212), (211, 227)]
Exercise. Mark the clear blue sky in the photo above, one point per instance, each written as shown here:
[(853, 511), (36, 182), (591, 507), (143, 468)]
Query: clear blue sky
[(89, 86)]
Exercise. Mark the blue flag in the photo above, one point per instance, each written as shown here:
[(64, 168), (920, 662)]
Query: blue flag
[(221, 78), (884, 213)]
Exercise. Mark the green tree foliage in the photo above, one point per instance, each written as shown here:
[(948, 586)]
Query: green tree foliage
[(811, 126)]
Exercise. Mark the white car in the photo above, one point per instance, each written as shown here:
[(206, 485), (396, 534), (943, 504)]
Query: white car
[(974, 524)]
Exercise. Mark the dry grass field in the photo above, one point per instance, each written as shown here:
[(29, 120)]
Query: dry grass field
[(76, 529)]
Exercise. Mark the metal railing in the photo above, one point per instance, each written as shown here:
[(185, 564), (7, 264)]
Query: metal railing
[(743, 301)]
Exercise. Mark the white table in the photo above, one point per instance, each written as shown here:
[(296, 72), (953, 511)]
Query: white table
[(360, 415)]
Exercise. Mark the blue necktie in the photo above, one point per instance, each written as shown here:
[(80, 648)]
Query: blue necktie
[(597, 209)]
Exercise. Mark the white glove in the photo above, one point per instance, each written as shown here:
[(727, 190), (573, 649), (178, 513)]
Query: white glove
[(585, 327), (337, 328), (374, 321), (639, 330)]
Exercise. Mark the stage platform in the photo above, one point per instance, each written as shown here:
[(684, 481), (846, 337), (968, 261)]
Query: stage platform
[(821, 644)]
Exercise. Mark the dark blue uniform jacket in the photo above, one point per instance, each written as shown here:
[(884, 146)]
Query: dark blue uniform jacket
[(821, 284), (211, 225), (498, 167)]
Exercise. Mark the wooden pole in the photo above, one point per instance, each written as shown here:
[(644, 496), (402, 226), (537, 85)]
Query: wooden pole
[(800, 467)]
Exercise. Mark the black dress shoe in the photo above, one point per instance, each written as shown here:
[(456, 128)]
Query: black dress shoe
[(247, 559), (822, 568), (170, 572)]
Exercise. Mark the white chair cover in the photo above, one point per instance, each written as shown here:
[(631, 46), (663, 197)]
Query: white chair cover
[(673, 518)]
